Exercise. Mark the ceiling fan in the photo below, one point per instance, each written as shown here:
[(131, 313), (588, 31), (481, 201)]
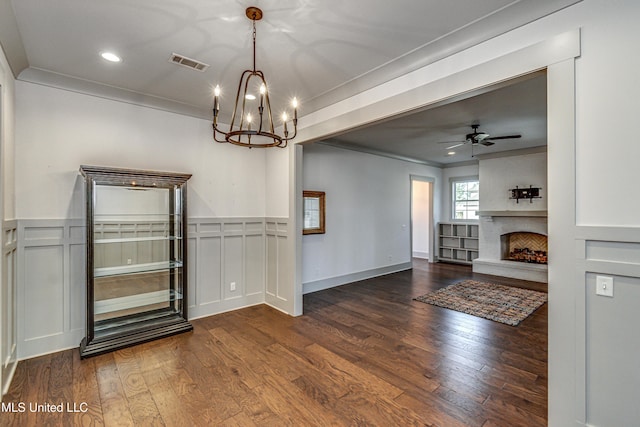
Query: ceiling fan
[(483, 138)]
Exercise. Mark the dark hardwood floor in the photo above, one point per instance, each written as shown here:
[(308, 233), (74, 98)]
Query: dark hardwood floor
[(362, 354)]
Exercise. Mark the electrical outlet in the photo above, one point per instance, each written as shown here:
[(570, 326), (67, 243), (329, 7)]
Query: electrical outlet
[(128, 261), (232, 286), (604, 286)]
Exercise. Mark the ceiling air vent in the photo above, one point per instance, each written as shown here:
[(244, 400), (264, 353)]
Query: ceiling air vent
[(188, 62)]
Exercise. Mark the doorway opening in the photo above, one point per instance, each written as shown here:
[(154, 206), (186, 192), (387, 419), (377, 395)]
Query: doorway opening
[(422, 234)]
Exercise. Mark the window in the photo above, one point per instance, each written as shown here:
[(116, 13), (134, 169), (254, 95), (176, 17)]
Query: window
[(466, 198)]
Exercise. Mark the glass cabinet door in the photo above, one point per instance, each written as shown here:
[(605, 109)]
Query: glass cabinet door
[(135, 260)]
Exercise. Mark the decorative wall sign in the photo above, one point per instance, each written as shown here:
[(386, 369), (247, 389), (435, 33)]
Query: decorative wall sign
[(525, 193)]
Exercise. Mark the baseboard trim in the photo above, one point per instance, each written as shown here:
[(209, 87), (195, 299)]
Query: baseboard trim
[(8, 376), (421, 255), (332, 282)]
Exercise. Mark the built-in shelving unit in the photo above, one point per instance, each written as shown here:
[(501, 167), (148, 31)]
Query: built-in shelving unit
[(457, 242)]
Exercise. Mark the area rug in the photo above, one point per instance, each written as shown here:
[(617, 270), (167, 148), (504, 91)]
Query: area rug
[(504, 304)]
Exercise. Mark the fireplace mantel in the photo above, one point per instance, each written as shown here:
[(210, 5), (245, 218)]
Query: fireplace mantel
[(522, 213)]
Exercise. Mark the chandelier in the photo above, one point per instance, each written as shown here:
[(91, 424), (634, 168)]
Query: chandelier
[(251, 120)]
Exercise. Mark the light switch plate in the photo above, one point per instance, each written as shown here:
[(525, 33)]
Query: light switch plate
[(604, 286)]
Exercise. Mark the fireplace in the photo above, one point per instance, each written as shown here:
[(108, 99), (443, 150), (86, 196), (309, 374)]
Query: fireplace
[(524, 246), (500, 235)]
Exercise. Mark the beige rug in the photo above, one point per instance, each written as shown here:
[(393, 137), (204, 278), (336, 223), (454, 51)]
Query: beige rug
[(504, 304)]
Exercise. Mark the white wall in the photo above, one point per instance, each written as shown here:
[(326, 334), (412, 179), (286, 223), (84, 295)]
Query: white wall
[(606, 84), (8, 321), (447, 175), (59, 130), (368, 200), (499, 175), (277, 181)]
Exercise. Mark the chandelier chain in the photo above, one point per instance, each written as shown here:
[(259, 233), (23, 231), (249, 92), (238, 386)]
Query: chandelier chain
[(254, 46)]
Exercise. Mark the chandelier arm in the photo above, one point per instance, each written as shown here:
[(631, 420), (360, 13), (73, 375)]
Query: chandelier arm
[(264, 99), (295, 132), (260, 74), (244, 104), (233, 115), (215, 129), (271, 128)]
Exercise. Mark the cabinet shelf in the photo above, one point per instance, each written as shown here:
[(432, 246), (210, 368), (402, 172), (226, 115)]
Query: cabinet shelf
[(136, 239), (457, 242), (136, 268)]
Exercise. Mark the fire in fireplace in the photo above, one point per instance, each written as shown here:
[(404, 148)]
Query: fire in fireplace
[(524, 246)]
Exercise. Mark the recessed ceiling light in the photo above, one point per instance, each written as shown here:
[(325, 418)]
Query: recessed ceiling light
[(110, 56), (250, 97), (451, 153)]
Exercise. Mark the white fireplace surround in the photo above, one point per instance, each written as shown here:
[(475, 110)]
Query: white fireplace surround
[(494, 224)]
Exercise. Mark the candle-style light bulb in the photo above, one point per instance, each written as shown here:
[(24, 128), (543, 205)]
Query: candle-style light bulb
[(263, 90), (294, 103), (216, 105), (284, 120)]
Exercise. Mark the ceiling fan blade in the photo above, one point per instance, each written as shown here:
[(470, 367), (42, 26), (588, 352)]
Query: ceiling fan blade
[(494, 138), (454, 146), (451, 142), (487, 143)]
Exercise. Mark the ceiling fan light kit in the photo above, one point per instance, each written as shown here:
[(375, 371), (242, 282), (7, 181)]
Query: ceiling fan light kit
[(482, 138), (243, 130)]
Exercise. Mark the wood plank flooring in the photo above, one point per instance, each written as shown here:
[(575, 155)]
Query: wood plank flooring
[(362, 354)]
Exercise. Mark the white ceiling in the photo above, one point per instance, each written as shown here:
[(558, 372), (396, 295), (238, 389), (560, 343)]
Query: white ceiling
[(518, 107), (318, 50)]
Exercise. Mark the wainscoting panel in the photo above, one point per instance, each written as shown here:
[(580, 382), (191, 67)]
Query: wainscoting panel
[(50, 262), (9, 333), (278, 262), (51, 285), (50, 273), (272, 265), (219, 252), (233, 267), (208, 279), (609, 343), (254, 263)]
